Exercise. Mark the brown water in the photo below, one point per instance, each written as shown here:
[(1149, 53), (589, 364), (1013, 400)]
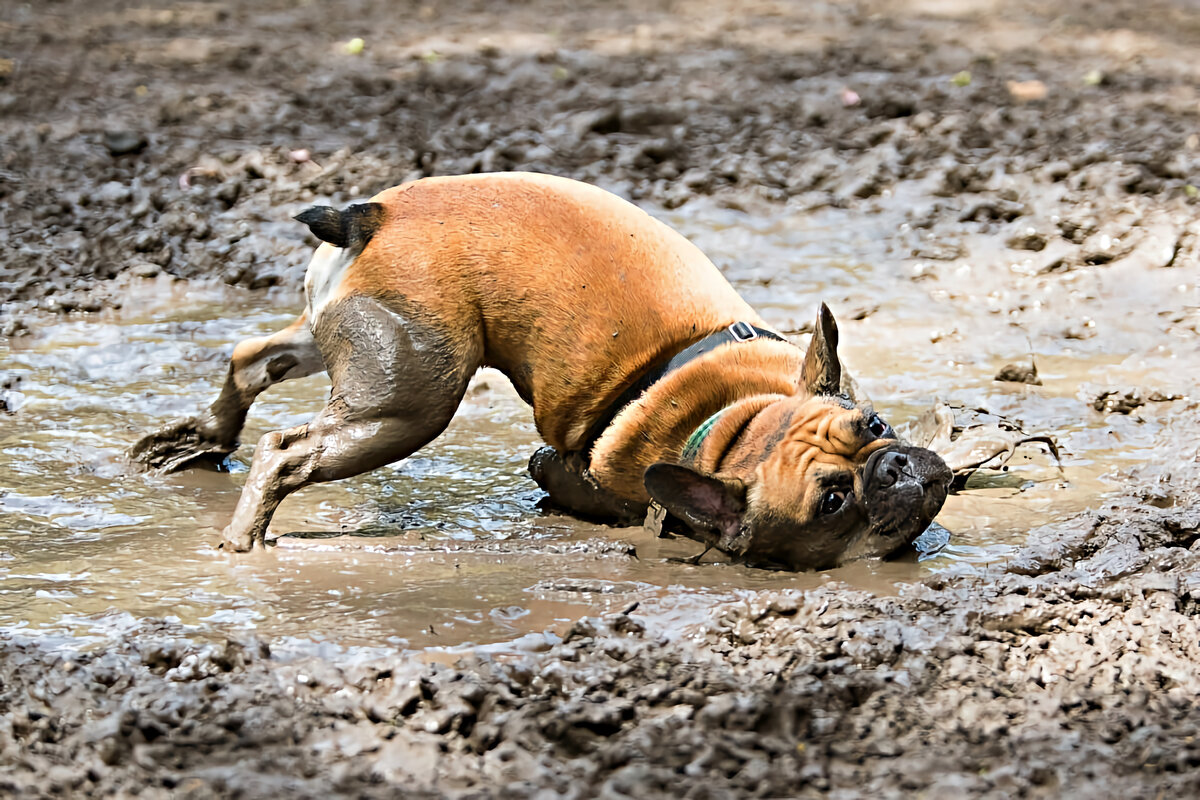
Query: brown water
[(449, 548)]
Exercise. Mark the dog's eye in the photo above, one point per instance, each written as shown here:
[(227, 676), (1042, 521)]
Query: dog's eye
[(877, 426), (833, 500)]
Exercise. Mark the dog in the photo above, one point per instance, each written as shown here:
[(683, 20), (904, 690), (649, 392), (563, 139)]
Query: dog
[(653, 384)]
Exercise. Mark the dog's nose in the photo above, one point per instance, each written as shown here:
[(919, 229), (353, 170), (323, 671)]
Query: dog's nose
[(889, 468)]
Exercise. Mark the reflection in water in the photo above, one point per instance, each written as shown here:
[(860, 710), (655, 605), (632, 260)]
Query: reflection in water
[(449, 547)]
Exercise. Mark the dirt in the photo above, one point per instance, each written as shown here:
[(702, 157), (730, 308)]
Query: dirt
[(1068, 671), (178, 139)]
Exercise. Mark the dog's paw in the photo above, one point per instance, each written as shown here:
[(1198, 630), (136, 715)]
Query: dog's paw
[(542, 463), (179, 444), (235, 542)]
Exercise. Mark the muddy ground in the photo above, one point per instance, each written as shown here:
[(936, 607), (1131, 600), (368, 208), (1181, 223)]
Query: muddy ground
[(178, 138)]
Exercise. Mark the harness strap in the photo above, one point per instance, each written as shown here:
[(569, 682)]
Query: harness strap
[(692, 448), (737, 332)]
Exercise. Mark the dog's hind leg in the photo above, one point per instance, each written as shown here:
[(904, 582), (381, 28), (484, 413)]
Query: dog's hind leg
[(256, 365), (397, 381)]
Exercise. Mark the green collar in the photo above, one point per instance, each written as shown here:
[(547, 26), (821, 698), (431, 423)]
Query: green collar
[(692, 448)]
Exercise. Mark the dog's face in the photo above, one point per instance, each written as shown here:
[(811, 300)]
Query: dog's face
[(816, 481)]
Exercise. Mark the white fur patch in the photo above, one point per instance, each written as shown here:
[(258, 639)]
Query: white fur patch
[(324, 275)]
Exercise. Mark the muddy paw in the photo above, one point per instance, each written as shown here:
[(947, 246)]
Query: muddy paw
[(179, 444), (541, 463), (236, 541), (571, 486)]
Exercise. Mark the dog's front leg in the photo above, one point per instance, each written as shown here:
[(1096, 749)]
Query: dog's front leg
[(571, 486)]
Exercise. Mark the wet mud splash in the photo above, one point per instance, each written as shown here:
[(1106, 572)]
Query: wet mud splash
[(449, 547)]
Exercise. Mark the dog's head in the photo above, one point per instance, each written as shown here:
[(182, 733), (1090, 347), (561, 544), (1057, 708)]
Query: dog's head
[(814, 480)]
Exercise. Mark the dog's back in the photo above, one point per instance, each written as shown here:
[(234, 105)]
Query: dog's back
[(536, 272)]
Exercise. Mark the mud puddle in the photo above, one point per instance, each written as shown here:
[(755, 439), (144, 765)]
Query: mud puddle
[(449, 548)]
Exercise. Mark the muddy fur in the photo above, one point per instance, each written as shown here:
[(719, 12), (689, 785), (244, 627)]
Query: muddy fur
[(558, 284)]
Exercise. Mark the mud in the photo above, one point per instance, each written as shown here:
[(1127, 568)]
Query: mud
[(1068, 671), (180, 138), (1000, 219)]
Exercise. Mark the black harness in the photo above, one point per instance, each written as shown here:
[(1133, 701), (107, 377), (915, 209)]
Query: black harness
[(737, 332)]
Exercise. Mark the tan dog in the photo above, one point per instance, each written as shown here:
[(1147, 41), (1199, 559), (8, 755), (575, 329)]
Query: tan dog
[(576, 296)]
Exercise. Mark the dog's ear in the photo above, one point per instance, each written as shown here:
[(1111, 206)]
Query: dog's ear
[(822, 373), (704, 502)]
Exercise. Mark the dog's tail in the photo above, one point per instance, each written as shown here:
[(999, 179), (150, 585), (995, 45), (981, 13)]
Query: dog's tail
[(351, 228)]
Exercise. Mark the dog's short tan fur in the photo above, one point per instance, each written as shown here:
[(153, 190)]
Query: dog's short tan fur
[(572, 293), (539, 272)]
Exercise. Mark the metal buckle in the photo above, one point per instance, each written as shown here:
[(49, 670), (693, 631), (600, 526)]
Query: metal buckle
[(743, 332)]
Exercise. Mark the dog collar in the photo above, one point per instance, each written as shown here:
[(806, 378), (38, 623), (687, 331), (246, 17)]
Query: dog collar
[(692, 448), (737, 332)]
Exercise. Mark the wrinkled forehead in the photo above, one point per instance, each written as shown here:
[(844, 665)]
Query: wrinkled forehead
[(829, 431)]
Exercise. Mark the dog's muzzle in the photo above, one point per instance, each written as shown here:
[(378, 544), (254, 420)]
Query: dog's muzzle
[(904, 488)]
